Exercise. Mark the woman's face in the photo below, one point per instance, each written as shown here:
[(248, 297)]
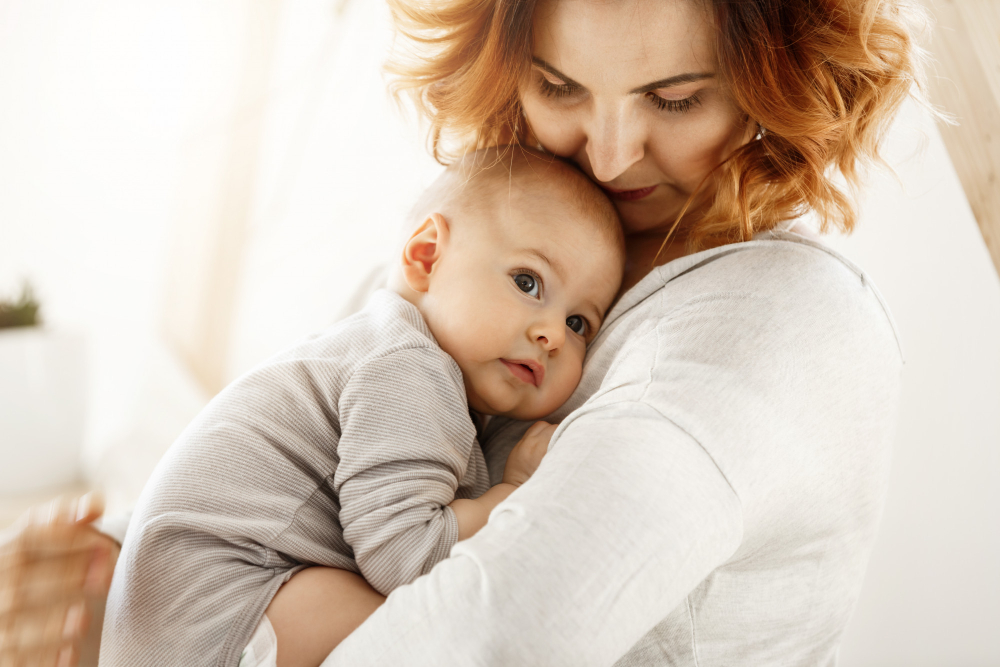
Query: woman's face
[(629, 90)]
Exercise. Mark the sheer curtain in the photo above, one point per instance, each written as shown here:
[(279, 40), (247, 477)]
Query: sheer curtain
[(193, 184)]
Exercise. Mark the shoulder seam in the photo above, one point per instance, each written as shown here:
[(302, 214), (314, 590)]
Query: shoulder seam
[(866, 281)]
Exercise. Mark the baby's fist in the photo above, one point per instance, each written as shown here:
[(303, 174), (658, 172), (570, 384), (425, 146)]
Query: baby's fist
[(528, 453)]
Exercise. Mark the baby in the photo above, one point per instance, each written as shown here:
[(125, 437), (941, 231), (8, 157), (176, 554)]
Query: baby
[(356, 450)]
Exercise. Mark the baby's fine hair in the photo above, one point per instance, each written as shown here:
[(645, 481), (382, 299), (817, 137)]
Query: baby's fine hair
[(479, 176)]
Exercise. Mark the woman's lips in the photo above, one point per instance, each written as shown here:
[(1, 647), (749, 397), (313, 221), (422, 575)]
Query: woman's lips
[(525, 369), (629, 195)]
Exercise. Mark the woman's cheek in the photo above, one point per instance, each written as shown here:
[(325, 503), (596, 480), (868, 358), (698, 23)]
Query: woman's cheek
[(556, 129), (687, 152)]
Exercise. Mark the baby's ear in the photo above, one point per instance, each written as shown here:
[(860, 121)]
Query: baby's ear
[(423, 250)]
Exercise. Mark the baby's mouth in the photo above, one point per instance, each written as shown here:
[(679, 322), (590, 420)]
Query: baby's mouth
[(526, 370)]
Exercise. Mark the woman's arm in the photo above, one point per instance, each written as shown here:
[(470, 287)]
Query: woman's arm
[(748, 405), (625, 516)]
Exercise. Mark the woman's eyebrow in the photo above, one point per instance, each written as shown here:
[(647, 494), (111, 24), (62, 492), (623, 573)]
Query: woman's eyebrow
[(672, 81), (662, 83), (538, 62)]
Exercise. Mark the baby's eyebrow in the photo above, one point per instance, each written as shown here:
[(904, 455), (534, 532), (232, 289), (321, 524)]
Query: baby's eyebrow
[(553, 264)]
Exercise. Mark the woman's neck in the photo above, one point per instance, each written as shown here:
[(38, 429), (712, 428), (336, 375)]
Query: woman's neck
[(645, 251)]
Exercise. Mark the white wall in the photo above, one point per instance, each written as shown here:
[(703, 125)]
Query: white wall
[(340, 170), (932, 594), (98, 102)]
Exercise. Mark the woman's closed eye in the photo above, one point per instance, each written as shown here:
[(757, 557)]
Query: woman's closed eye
[(550, 89), (551, 86), (673, 105)]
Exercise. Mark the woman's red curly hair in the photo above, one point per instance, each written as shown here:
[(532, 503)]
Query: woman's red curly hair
[(822, 80)]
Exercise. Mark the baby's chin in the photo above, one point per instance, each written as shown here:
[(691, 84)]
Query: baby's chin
[(523, 411)]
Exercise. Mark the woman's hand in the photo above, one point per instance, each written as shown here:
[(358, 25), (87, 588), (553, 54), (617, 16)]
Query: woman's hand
[(54, 566), (527, 454)]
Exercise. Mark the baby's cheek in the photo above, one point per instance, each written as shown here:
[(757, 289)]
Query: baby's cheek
[(566, 382)]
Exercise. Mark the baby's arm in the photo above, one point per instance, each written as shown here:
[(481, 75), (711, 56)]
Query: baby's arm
[(318, 607), (472, 513)]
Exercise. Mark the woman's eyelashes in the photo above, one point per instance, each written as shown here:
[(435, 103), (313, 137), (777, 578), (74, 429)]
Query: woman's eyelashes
[(551, 89), (557, 90), (675, 106)]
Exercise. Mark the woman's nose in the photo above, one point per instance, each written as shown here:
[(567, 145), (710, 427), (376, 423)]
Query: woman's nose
[(614, 142)]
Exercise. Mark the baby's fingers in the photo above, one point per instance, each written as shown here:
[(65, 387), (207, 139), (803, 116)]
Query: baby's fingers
[(42, 635), (66, 510), (539, 435), (540, 432), (46, 564), (49, 656), (41, 582)]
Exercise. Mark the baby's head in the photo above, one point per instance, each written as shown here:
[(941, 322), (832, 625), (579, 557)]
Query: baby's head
[(513, 258)]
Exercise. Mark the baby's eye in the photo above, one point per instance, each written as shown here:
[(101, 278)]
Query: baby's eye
[(527, 284), (577, 324)]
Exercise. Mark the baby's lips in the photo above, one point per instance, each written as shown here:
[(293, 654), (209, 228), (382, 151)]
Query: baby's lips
[(528, 367)]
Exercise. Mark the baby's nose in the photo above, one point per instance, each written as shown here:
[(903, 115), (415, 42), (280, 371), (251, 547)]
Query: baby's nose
[(551, 334)]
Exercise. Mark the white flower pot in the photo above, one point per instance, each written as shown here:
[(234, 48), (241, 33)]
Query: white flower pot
[(42, 404)]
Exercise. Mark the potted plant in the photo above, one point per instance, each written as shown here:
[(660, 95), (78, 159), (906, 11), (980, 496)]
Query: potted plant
[(42, 391)]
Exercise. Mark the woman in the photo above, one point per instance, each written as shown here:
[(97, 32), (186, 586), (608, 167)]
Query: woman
[(714, 488)]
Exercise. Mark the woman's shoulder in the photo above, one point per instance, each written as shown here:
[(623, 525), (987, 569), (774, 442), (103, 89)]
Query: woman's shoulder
[(763, 352), (771, 321), (790, 286)]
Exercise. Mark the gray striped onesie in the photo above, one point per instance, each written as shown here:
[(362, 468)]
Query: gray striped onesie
[(343, 451)]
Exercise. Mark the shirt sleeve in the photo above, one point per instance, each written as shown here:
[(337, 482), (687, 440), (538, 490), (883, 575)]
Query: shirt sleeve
[(625, 516), (405, 446)]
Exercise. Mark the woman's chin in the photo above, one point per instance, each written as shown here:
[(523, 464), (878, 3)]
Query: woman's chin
[(639, 219)]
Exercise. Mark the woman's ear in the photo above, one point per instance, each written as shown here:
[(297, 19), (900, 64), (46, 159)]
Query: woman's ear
[(423, 251)]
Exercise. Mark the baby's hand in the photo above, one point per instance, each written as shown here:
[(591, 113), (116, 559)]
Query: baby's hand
[(527, 454)]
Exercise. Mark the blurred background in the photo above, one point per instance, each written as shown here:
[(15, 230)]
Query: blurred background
[(192, 185)]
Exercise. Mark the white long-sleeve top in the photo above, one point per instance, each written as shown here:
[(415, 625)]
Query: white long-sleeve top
[(711, 496)]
